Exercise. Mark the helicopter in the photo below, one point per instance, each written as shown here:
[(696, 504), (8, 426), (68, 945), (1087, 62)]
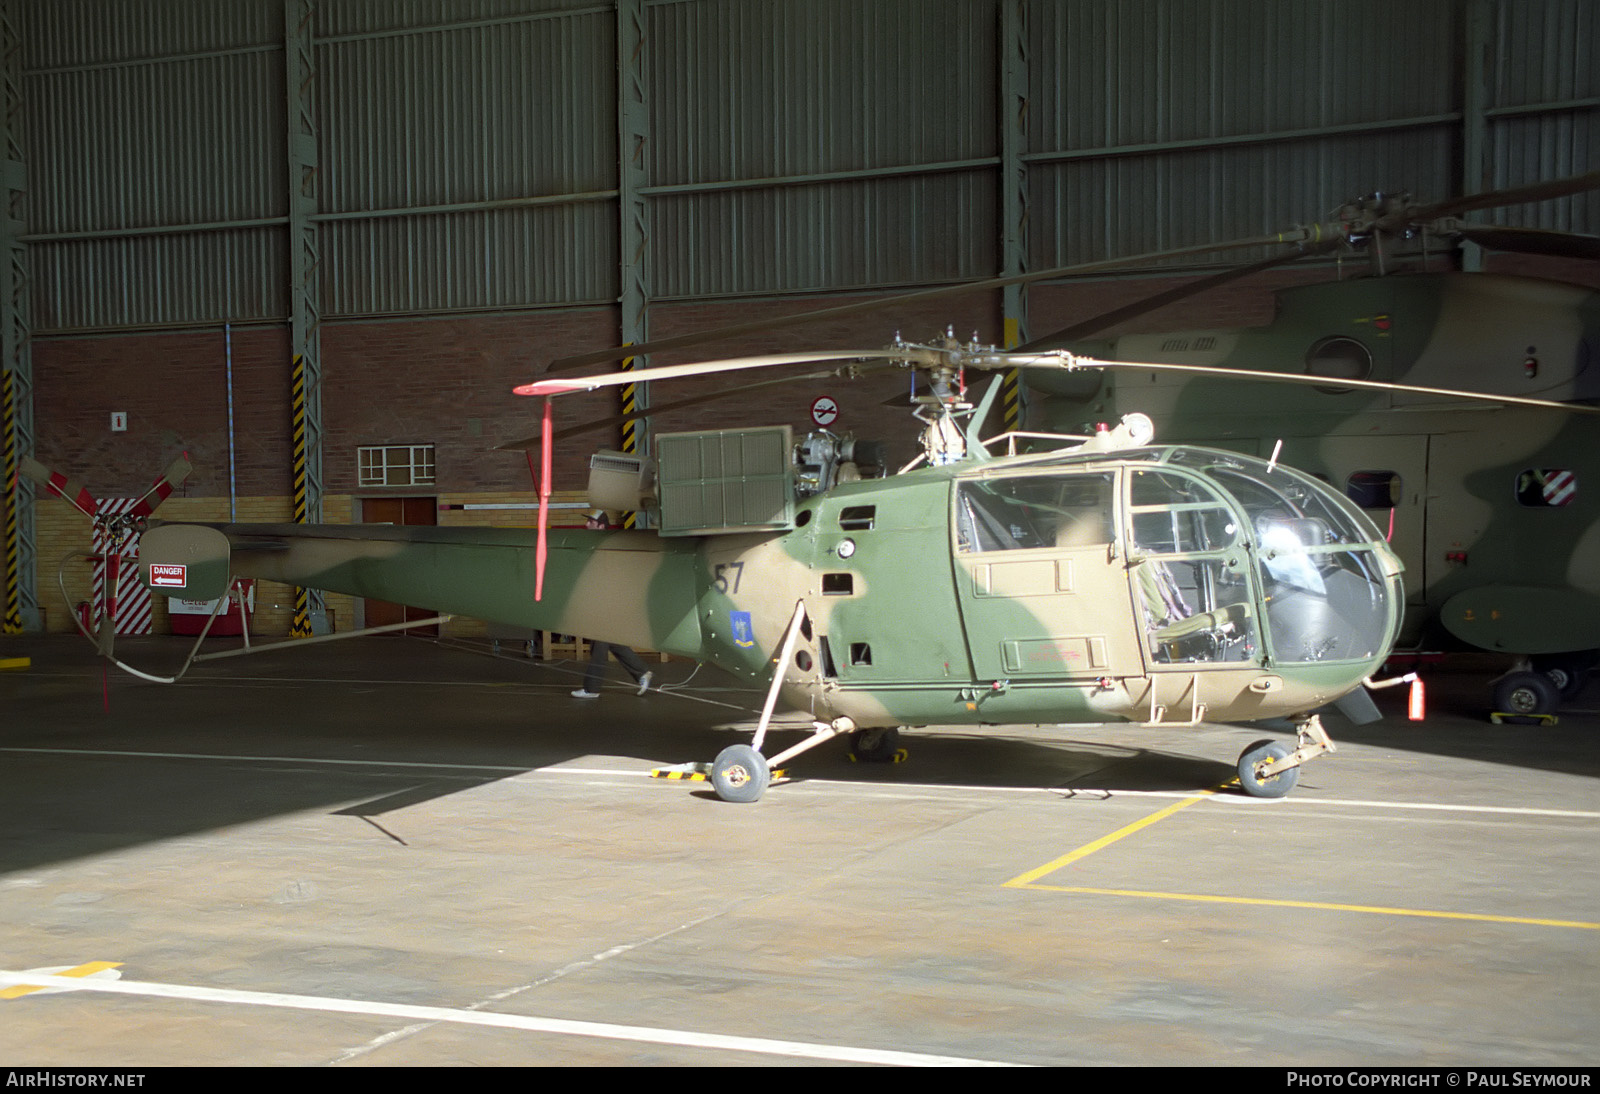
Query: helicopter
[(1114, 579), (1484, 502), (1491, 508)]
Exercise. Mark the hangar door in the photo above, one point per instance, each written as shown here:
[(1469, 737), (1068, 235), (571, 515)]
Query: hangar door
[(413, 511)]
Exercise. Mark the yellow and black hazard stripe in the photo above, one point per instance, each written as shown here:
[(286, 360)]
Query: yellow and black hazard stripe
[(1011, 382), (8, 439), (630, 428), (301, 627)]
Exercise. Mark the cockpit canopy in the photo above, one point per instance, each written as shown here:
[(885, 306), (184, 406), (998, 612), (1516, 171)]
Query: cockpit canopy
[(1229, 558)]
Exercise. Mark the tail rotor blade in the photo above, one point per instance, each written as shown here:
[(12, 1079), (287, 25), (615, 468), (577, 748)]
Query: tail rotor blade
[(58, 485), (106, 638), (172, 478)]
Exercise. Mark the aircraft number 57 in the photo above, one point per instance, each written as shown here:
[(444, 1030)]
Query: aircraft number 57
[(726, 576)]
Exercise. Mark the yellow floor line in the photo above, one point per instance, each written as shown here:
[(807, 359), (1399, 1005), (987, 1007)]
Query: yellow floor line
[(16, 991), (1026, 880), (1367, 909)]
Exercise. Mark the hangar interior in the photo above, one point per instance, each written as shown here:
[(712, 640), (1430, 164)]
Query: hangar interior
[(314, 245)]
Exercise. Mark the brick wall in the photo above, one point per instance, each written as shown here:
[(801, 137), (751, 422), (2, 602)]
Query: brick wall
[(447, 382)]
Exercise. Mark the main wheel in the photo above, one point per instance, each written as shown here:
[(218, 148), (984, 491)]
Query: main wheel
[(1569, 672), (1259, 755), (875, 746), (1526, 693), (740, 774)]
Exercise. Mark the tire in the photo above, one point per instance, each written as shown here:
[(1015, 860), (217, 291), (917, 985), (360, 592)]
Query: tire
[(1263, 752), (1525, 693), (875, 746), (1569, 672), (740, 774)]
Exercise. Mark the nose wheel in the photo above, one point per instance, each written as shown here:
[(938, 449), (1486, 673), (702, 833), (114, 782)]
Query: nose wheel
[(1255, 759), (1270, 769)]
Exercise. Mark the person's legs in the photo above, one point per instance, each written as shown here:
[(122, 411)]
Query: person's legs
[(635, 667), (630, 661), (596, 671)]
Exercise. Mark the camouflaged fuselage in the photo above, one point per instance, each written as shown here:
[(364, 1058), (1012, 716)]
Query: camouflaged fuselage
[(1123, 586), (1491, 562)]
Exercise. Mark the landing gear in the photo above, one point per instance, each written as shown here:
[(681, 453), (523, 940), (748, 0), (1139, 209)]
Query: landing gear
[(1257, 757), (740, 774), (1269, 769), (875, 746), (1569, 672), (1526, 694)]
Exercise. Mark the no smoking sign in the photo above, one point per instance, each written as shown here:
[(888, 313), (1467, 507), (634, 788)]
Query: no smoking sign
[(824, 410)]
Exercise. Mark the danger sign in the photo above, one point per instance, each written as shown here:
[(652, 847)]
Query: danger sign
[(165, 575), (824, 410)]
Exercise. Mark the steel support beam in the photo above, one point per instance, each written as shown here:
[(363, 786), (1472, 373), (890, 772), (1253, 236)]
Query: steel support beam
[(305, 315), (633, 236), (1013, 123), (21, 607), (1476, 72)]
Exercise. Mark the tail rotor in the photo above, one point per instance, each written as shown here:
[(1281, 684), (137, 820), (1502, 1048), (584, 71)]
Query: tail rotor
[(116, 530)]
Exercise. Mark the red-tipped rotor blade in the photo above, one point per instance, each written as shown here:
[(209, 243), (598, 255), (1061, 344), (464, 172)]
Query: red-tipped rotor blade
[(543, 550), (170, 480), (59, 485), (106, 639)]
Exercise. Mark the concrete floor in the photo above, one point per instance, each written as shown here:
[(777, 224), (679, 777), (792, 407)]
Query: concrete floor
[(390, 852)]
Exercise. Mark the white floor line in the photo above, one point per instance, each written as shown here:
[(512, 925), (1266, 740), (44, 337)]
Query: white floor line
[(899, 789), (527, 1023)]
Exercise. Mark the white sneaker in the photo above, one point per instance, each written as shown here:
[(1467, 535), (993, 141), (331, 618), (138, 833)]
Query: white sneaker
[(644, 682), (583, 693)]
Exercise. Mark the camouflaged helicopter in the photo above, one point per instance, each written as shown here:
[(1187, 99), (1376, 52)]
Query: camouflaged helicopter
[(1115, 579), (1491, 507)]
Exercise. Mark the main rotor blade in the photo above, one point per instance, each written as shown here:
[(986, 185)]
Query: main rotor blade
[(1538, 241), (1162, 299), (684, 341), (1071, 362), (569, 386), (527, 443), (1516, 195)]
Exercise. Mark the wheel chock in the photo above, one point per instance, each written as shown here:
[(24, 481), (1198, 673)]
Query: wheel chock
[(696, 773), (1505, 718), (683, 772), (900, 756)]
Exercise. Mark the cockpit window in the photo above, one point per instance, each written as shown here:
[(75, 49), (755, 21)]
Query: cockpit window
[(1321, 574), (1037, 511), (1229, 558), (1173, 512), (1189, 570)]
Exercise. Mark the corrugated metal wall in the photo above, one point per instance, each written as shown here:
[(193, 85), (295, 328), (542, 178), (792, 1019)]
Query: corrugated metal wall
[(479, 141), (468, 153), (142, 122), (1545, 105), (1163, 125)]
